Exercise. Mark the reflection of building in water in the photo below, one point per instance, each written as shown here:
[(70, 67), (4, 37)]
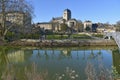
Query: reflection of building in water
[(65, 52), (116, 60), (16, 56)]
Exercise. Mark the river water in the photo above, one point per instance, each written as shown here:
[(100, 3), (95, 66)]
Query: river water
[(67, 63)]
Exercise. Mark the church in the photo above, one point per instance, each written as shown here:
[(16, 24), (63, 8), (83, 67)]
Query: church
[(54, 24)]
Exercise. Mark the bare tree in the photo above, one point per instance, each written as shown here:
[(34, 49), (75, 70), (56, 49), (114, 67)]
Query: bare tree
[(79, 26), (18, 10)]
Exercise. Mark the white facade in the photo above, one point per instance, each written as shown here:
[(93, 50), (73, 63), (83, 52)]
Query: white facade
[(87, 24)]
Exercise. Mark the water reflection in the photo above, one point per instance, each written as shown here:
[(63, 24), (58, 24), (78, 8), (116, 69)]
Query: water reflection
[(116, 60), (55, 60)]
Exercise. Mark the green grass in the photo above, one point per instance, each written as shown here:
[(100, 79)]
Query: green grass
[(73, 36), (98, 35), (56, 37), (81, 36)]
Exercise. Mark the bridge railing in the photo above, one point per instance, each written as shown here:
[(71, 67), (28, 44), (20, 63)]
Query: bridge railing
[(115, 35)]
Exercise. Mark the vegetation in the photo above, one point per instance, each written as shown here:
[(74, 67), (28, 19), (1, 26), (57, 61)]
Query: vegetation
[(79, 26), (31, 73), (7, 6), (81, 36), (11, 36), (73, 36), (115, 73), (59, 37), (98, 35), (64, 27), (87, 28), (118, 26)]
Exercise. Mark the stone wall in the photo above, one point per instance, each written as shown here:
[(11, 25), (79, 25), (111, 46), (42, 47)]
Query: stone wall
[(61, 43)]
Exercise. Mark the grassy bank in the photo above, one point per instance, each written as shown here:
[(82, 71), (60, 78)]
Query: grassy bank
[(73, 36)]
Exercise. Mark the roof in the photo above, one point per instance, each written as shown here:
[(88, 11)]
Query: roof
[(73, 19), (57, 18), (88, 21), (44, 23), (68, 10)]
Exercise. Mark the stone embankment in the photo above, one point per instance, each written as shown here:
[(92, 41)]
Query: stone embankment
[(61, 43)]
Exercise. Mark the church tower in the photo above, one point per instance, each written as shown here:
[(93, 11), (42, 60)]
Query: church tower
[(67, 14)]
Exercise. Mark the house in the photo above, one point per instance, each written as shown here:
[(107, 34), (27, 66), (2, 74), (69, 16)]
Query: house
[(87, 25), (18, 21)]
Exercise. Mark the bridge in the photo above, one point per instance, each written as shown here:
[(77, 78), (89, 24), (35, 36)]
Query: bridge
[(115, 35)]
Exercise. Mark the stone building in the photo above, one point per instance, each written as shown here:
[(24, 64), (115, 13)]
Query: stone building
[(18, 18), (88, 24), (20, 22), (45, 25), (67, 14), (54, 24)]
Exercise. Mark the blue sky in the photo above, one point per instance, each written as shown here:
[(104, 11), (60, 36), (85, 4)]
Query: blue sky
[(94, 10)]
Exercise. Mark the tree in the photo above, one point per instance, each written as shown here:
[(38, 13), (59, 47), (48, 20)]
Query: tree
[(64, 27), (13, 6), (118, 26), (87, 28), (106, 25), (79, 26)]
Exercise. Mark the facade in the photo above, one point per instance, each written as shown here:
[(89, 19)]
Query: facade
[(18, 18), (44, 25), (94, 27), (72, 23), (88, 24), (57, 20)]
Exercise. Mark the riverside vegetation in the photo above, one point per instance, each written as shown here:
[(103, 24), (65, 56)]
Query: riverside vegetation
[(56, 39), (68, 74)]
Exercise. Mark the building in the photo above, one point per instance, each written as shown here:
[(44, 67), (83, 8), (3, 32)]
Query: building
[(88, 24), (67, 14), (101, 28), (54, 24), (44, 25), (18, 18), (20, 22), (94, 27)]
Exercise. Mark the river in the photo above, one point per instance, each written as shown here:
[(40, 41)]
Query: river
[(67, 63)]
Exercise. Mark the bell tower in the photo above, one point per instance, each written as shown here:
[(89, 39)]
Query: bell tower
[(67, 14)]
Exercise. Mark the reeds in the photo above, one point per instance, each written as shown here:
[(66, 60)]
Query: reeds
[(32, 73)]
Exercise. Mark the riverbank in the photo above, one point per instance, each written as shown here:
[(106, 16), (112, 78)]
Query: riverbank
[(61, 43)]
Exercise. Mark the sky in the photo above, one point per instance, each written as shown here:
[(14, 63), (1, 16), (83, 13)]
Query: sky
[(104, 11)]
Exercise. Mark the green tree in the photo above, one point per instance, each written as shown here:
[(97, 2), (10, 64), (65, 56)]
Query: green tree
[(87, 28), (64, 28)]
